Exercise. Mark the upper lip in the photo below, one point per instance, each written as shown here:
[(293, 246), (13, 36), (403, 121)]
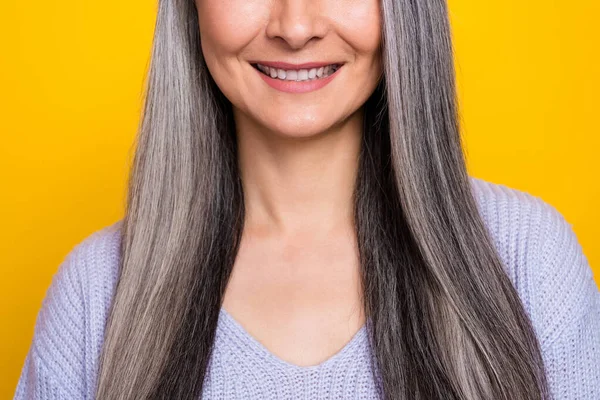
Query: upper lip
[(289, 66)]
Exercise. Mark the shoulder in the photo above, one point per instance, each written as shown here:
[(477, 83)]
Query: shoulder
[(516, 221), (542, 256), (88, 273), (94, 261), (69, 326)]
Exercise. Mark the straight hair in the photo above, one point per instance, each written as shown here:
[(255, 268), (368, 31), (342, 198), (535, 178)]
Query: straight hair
[(447, 322)]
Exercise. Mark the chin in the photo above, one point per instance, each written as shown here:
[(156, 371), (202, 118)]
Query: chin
[(299, 129)]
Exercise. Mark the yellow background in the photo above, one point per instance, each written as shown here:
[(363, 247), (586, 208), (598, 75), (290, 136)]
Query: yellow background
[(71, 74)]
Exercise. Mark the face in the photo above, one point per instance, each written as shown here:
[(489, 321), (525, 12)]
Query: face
[(294, 67)]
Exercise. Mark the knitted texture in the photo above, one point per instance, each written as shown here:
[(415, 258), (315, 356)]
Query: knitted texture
[(538, 247)]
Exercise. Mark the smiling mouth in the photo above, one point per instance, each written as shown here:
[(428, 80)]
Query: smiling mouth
[(298, 75)]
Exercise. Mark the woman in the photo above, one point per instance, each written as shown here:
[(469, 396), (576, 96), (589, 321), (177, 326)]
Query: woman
[(300, 224)]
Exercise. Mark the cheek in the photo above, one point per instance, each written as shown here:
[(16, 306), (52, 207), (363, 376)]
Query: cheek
[(227, 26), (359, 24)]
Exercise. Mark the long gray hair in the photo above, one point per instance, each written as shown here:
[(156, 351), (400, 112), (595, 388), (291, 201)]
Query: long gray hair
[(447, 322)]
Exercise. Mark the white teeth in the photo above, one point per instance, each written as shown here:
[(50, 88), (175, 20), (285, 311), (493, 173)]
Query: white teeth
[(298, 75), (291, 75)]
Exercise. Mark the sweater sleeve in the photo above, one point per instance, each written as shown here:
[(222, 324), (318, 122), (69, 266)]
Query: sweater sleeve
[(568, 308), (54, 365)]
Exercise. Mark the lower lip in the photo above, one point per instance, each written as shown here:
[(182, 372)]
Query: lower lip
[(298, 86)]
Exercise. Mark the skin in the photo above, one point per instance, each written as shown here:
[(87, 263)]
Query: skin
[(295, 285)]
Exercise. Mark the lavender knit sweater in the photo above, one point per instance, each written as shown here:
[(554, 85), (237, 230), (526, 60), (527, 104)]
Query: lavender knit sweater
[(540, 251)]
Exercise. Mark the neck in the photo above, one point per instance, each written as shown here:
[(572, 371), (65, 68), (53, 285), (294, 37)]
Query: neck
[(299, 184)]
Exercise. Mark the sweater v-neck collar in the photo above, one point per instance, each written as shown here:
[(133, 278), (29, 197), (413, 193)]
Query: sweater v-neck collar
[(256, 348)]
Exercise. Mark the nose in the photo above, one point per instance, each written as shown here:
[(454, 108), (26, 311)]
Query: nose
[(296, 22)]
